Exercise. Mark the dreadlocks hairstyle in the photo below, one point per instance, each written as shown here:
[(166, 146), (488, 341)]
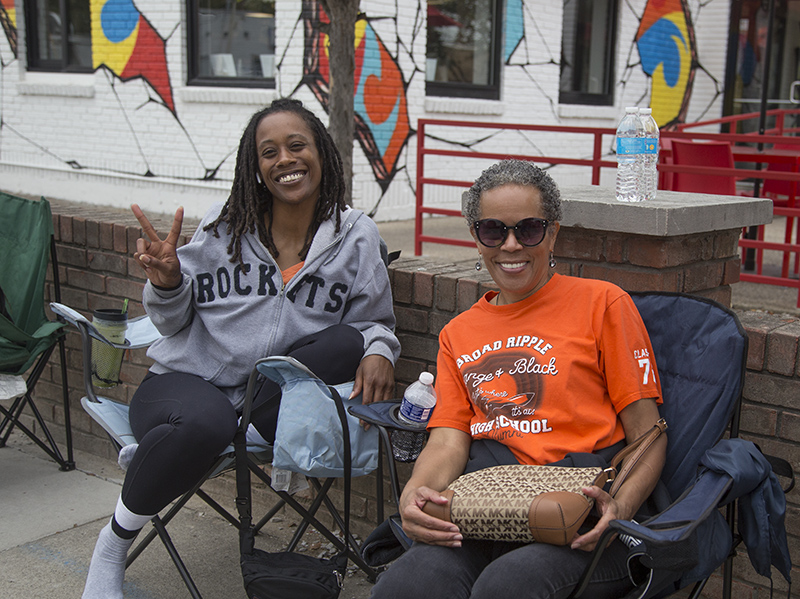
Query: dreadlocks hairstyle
[(250, 200)]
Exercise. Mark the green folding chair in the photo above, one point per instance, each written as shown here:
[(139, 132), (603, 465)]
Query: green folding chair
[(27, 337)]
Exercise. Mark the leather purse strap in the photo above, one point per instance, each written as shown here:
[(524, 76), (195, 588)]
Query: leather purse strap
[(629, 457)]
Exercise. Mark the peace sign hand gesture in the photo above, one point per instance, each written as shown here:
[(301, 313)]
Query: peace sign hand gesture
[(158, 257)]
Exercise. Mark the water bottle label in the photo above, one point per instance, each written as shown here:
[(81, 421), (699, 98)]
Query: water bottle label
[(630, 145), (414, 413), (650, 146)]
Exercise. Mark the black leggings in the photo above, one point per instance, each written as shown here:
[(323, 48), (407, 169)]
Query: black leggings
[(182, 422)]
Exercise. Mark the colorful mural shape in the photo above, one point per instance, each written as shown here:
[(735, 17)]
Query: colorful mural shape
[(666, 45), (514, 27), (125, 43), (8, 17), (380, 104)]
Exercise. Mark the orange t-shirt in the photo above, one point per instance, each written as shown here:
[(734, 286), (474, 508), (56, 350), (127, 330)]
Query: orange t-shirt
[(291, 271), (548, 375)]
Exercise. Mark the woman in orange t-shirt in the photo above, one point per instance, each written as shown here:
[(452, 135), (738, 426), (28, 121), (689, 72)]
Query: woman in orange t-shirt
[(547, 366)]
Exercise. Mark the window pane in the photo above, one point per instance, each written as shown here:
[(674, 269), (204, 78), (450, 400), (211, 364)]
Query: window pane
[(236, 39), (460, 41), (48, 32), (79, 38), (587, 42)]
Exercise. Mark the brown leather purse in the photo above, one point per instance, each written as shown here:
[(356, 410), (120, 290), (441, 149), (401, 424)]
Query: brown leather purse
[(524, 503)]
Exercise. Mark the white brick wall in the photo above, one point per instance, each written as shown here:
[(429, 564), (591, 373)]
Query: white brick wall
[(110, 127)]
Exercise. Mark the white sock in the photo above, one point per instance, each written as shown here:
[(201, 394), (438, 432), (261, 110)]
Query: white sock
[(126, 455), (107, 570), (127, 519)]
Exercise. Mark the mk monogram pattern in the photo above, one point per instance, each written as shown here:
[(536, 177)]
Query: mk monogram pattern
[(494, 503)]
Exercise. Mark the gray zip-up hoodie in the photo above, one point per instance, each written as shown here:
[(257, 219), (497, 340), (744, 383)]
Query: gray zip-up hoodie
[(225, 316)]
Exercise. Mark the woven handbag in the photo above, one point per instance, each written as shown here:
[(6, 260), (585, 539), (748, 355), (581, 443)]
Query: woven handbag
[(523, 503)]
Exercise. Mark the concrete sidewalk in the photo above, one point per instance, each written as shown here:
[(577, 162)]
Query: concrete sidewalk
[(50, 521)]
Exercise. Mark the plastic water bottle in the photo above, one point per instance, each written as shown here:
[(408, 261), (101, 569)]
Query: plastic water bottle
[(650, 170), (418, 402), (630, 145), (415, 411)]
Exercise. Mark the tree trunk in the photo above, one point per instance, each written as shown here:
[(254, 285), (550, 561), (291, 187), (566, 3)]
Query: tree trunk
[(342, 60)]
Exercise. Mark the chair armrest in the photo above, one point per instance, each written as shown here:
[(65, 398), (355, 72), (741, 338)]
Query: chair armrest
[(141, 331)]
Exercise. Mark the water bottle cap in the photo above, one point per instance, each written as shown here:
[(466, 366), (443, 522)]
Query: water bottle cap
[(426, 378), (646, 110), (631, 109)]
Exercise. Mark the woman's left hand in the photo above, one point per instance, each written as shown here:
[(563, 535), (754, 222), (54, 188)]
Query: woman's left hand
[(374, 379), (609, 510)]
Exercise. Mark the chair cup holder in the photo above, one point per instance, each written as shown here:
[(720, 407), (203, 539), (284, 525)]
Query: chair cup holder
[(106, 364), (406, 445)]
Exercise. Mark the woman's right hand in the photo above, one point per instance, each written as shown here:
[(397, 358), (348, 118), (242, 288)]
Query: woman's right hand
[(421, 527), (158, 258)]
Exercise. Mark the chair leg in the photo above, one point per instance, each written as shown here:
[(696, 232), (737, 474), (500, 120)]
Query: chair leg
[(269, 515), (387, 447), (322, 491), (12, 416), (176, 558), (379, 484), (353, 548), (698, 589), (171, 513), (312, 520), (62, 352), (217, 507)]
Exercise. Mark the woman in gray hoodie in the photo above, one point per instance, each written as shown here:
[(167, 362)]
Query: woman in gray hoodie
[(284, 267)]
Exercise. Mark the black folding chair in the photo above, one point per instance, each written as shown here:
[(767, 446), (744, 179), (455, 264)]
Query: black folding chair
[(701, 352), (112, 415), (27, 337)]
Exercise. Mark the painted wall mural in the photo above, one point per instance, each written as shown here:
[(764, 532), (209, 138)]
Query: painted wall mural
[(8, 18), (661, 68), (380, 103), (666, 44), (125, 43)]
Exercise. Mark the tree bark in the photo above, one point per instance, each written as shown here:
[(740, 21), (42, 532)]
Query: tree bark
[(342, 60)]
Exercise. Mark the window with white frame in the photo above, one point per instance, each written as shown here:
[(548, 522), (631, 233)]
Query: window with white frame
[(588, 40), (59, 35), (231, 42), (463, 52)]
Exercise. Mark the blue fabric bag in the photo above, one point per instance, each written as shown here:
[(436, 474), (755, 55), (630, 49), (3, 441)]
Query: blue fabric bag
[(308, 438)]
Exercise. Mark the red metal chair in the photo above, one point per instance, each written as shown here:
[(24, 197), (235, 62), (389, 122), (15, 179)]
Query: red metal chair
[(665, 157), (711, 154), (784, 195)]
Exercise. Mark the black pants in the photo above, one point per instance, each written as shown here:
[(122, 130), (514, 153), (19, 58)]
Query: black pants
[(182, 422)]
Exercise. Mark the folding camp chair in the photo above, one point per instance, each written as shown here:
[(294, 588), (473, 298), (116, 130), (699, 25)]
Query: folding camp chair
[(326, 453), (27, 337), (113, 417), (700, 351)]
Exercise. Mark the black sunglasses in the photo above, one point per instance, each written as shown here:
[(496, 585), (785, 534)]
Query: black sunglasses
[(493, 233)]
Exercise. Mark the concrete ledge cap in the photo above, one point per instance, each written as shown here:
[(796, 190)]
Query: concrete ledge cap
[(671, 214)]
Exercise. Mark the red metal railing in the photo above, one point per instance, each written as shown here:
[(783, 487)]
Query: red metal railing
[(601, 159), (595, 163)]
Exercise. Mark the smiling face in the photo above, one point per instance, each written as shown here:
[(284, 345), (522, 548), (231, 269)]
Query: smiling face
[(519, 271), (288, 159)]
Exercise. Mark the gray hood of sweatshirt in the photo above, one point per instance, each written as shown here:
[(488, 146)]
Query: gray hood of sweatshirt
[(225, 316)]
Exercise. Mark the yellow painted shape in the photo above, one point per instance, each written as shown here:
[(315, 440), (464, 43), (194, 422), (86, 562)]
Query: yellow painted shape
[(666, 101), (104, 52)]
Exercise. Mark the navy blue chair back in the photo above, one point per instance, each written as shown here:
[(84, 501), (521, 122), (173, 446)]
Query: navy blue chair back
[(700, 351)]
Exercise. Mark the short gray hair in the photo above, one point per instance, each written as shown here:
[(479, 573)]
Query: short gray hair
[(512, 172)]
